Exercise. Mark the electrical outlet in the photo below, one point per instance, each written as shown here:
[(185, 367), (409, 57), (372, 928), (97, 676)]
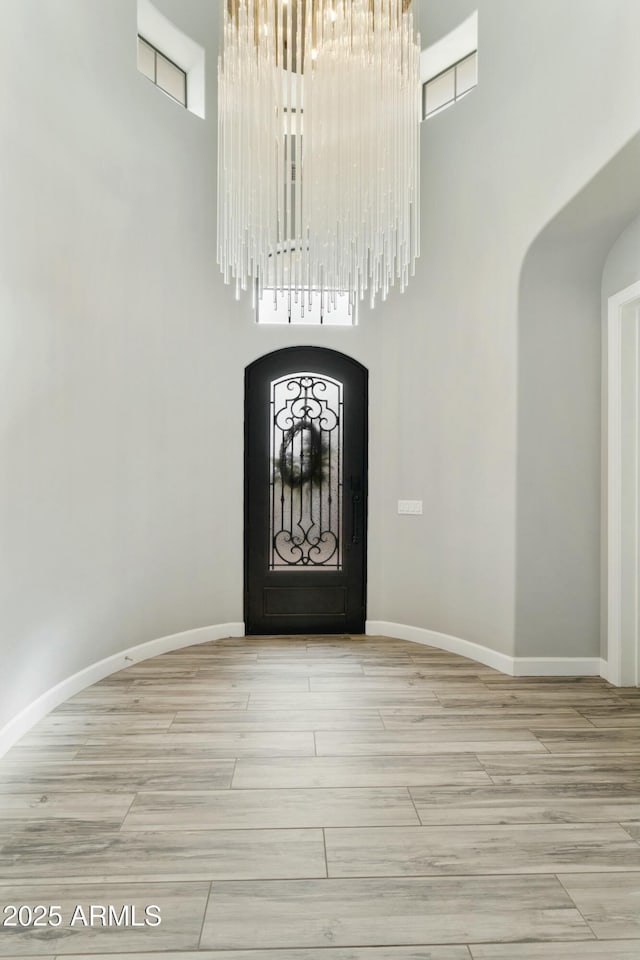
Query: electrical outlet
[(410, 508)]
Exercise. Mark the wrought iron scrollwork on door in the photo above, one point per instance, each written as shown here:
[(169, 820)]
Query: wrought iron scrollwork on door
[(306, 472)]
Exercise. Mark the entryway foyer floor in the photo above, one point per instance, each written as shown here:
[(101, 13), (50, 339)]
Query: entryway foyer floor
[(337, 798)]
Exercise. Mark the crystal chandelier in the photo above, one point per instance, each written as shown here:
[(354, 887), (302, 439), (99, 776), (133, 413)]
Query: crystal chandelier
[(319, 152)]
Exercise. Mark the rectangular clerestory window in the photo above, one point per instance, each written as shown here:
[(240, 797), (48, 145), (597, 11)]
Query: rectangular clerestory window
[(319, 309), (450, 85), (162, 71)]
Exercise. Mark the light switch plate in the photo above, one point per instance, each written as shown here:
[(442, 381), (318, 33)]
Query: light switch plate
[(410, 508)]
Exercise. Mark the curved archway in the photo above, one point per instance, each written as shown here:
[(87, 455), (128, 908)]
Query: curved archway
[(559, 489)]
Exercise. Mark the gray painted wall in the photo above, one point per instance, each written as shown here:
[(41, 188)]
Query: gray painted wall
[(123, 353)]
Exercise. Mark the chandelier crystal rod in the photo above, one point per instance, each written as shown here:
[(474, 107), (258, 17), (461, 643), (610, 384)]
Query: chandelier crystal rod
[(318, 140)]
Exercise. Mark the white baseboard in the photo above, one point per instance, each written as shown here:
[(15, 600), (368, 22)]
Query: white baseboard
[(31, 714), (512, 666), (559, 667)]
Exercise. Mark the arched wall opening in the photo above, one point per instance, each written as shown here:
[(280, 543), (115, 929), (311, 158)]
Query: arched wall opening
[(560, 560)]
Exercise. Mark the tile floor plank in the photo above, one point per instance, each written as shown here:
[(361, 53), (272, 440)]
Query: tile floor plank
[(182, 909), (112, 807), (360, 700), (593, 950), (111, 776), (150, 669), (194, 721), (204, 746), (308, 667), (257, 774), (442, 719), (89, 724), (545, 698), (624, 740), (548, 769), (417, 686), (36, 754), (612, 717), (217, 683), (389, 912), (250, 809), (505, 803), (411, 742), (68, 851), (350, 953), (610, 903), (633, 829), (431, 671), (152, 703), (45, 739), (472, 850)]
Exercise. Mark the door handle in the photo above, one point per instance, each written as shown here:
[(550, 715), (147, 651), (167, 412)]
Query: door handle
[(356, 510)]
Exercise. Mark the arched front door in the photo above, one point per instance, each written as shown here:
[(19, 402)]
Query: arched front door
[(305, 492)]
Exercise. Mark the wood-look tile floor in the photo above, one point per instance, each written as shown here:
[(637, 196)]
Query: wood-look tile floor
[(336, 798)]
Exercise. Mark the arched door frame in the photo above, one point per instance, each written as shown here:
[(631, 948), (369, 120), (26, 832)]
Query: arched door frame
[(301, 595)]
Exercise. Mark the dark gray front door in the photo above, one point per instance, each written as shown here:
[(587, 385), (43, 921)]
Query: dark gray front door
[(305, 492)]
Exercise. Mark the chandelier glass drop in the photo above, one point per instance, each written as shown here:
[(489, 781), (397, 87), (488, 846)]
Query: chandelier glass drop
[(318, 140)]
